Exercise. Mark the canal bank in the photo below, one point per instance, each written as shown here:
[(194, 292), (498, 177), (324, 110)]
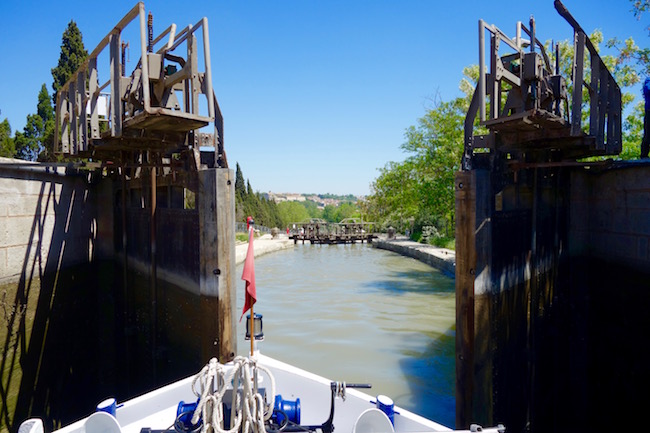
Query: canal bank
[(263, 245), (439, 258)]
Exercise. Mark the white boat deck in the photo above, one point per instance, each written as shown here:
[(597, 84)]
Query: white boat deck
[(157, 410)]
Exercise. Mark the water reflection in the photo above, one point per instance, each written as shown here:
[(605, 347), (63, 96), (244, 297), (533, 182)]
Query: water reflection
[(355, 313)]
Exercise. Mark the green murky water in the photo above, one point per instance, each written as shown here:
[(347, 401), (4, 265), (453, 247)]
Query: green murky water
[(360, 314)]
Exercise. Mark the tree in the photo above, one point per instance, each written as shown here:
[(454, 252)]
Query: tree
[(312, 209), (247, 202), (73, 54), (632, 133), (38, 131), (7, 147), (627, 69), (640, 6), (347, 210), (292, 212), (46, 112), (329, 213), (27, 143), (420, 190), (240, 186)]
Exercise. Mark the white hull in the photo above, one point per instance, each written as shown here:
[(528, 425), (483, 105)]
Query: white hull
[(157, 409)]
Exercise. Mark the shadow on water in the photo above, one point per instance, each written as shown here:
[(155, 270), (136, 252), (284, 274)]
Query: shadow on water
[(431, 375), (429, 370), (413, 281)]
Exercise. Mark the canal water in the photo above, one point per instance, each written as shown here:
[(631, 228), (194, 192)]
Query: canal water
[(359, 314)]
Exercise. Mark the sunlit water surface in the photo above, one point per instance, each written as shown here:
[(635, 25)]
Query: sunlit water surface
[(358, 314)]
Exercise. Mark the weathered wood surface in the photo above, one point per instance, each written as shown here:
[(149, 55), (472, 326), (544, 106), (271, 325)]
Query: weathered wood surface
[(465, 273), (217, 263)]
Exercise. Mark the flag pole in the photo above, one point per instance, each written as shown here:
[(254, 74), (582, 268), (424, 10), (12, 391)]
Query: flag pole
[(252, 321), (251, 325)]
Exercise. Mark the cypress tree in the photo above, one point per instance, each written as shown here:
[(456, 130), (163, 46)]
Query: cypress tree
[(240, 186), (73, 54), (45, 111), (7, 148)]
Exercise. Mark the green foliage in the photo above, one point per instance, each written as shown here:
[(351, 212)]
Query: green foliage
[(312, 209), (247, 202), (627, 68), (335, 214), (624, 73), (632, 133), (420, 189), (640, 6), (37, 139), (27, 143), (46, 112), (7, 147), (73, 54), (38, 133), (240, 184), (292, 212), (444, 242), (347, 210), (241, 237), (347, 197), (329, 213)]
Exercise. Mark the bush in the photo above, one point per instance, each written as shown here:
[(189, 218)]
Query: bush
[(444, 242)]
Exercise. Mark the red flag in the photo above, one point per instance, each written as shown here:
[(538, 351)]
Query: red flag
[(248, 275)]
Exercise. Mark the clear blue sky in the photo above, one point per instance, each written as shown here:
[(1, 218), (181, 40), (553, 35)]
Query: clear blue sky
[(316, 95)]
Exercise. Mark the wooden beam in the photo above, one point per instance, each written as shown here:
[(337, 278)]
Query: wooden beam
[(465, 274), (216, 206)]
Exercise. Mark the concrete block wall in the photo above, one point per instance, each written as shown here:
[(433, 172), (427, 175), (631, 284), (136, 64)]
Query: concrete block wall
[(610, 214), (38, 206)]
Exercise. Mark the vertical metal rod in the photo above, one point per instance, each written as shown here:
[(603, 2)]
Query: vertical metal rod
[(578, 81), (481, 69), (124, 47), (532, 34), (533, 84), (189, 84), (208, 67), (116, 90), (150, 33), (495, 85), (145, 59)]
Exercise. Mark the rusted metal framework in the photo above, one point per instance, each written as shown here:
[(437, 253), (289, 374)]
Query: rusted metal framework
[(319, 231), (522, 99), (173, 194), (157, 108)]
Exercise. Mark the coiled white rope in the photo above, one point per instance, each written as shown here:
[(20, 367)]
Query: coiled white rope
[(250, 407)]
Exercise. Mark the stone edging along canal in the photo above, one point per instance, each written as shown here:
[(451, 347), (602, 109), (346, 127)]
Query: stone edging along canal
[(439, 258)]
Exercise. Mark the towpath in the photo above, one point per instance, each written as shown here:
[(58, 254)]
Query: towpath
[(262, 245), (440, 258)]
